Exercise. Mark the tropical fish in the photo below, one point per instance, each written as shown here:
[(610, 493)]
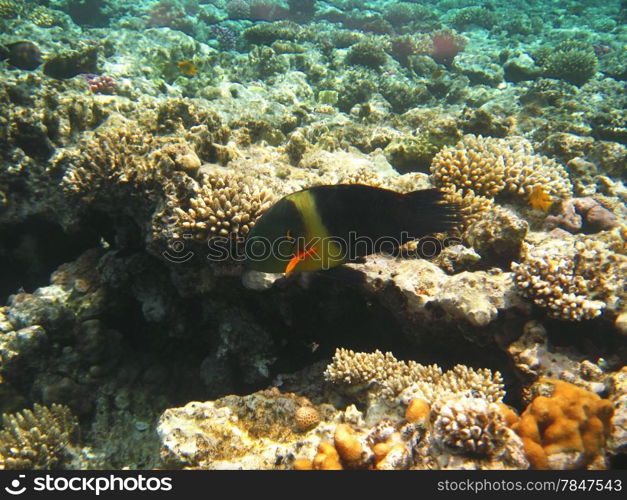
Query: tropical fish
[(540, 199), (187, 68), (23, 55), (74, 63), (326, 226)]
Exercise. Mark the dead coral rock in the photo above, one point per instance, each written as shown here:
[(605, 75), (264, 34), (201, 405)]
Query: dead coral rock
[(535, 358), (582, 214), (565, 427), (498, 235), (618, 396), (257, 431), (474, 297)]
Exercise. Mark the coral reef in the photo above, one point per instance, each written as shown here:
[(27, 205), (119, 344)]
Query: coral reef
[(140, 142)]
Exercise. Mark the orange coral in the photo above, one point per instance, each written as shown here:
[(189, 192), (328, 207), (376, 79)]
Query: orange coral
[(349, 445), (567, 429), (540, 199), (417, 411), (327, 458)]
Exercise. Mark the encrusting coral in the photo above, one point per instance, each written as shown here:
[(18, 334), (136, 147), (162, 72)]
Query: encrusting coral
[(37, 439), (564, 427)]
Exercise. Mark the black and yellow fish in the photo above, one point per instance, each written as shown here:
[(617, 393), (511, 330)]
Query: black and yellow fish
[(326, 226)]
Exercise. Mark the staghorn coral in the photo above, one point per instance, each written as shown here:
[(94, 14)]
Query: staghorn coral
[(488, 167), (392, 378), (572, 279), (37, 439), (564, 427)]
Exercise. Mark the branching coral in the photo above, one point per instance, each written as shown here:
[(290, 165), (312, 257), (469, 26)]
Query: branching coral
[(488, 167), (123, 161), (409, 380), (366, 54), (570, 60), (565, 426), (225, 205), (37, 439), (573, 279)]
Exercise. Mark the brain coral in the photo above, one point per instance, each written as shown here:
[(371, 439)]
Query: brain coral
[(487, 167), (564, 427)]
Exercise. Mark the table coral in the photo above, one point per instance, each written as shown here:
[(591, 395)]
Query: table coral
[(565, 429)]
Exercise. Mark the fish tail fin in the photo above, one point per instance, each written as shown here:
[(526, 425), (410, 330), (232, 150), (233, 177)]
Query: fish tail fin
[(430, 212)]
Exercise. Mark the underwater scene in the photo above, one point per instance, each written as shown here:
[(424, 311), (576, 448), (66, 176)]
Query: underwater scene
[(313, 234)]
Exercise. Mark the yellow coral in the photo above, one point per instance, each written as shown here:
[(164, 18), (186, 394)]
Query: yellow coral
[(569, 428), (37, 438)]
